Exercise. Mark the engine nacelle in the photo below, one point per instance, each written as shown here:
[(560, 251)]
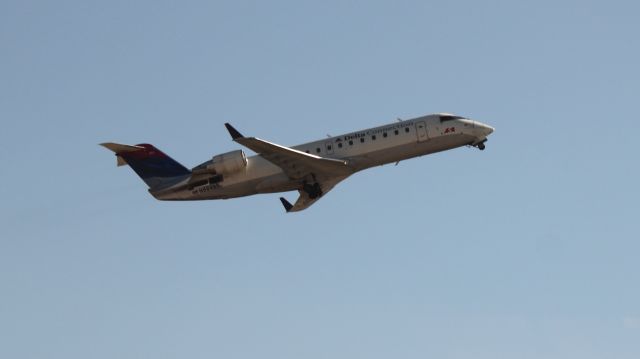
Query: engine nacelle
[(227, 163), (223, 164)]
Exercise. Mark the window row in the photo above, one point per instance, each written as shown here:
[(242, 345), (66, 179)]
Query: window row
[(362, 139)]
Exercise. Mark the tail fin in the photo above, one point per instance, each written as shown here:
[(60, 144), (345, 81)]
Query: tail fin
[(155, 168)]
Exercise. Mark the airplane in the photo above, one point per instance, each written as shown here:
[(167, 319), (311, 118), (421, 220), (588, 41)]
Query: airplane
[(312, 169)]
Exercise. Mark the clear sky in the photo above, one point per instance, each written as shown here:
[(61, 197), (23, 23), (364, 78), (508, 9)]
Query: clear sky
[(526, 250)]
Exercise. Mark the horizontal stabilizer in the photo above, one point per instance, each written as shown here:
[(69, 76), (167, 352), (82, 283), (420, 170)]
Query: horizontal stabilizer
[(120, 148), (120, 161)]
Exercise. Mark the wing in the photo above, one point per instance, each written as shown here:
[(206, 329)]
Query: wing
[(296, 164), (304, 201), (317, 175)]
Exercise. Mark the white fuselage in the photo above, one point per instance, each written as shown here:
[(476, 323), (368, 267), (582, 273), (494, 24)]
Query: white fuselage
[(361, 149)]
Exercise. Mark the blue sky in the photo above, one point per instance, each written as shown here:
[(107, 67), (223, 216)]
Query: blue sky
[(528, 249)]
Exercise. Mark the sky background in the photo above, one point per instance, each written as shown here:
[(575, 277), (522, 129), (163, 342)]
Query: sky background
[(528, 249)]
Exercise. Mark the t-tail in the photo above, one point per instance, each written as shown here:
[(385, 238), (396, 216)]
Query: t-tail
[(156, 169)]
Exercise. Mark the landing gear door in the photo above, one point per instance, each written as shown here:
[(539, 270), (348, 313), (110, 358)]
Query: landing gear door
[(421, 131)]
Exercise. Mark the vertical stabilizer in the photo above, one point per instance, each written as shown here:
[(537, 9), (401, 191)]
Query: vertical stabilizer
[(155, 168)]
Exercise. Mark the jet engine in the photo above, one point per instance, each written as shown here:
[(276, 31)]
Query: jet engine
[(223, 164)]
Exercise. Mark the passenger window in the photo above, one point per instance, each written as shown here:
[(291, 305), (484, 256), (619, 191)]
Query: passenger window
[(339, 144), (350, 143), (328, 147), (406, 129), (361, 139), (373, 137), (318, 150), (384, 134), (396, 132)]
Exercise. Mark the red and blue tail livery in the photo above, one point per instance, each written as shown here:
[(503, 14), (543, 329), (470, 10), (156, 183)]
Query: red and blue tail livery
[(155, 168)]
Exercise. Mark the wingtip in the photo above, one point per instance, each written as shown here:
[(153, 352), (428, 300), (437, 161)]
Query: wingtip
[(286, 204), (232, 131)]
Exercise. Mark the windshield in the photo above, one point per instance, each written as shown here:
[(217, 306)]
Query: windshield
[(445, 118)]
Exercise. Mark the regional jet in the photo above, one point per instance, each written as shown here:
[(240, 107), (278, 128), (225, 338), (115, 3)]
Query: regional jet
[(312, 169)]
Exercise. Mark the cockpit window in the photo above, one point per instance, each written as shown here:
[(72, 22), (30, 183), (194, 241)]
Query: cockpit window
[(445, 118)]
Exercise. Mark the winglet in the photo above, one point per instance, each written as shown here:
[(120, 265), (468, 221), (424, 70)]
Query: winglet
[(233, 132), (286, 204)]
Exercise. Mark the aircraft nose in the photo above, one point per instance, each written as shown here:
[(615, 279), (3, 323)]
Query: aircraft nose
[(485, 129), (488, 129)]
